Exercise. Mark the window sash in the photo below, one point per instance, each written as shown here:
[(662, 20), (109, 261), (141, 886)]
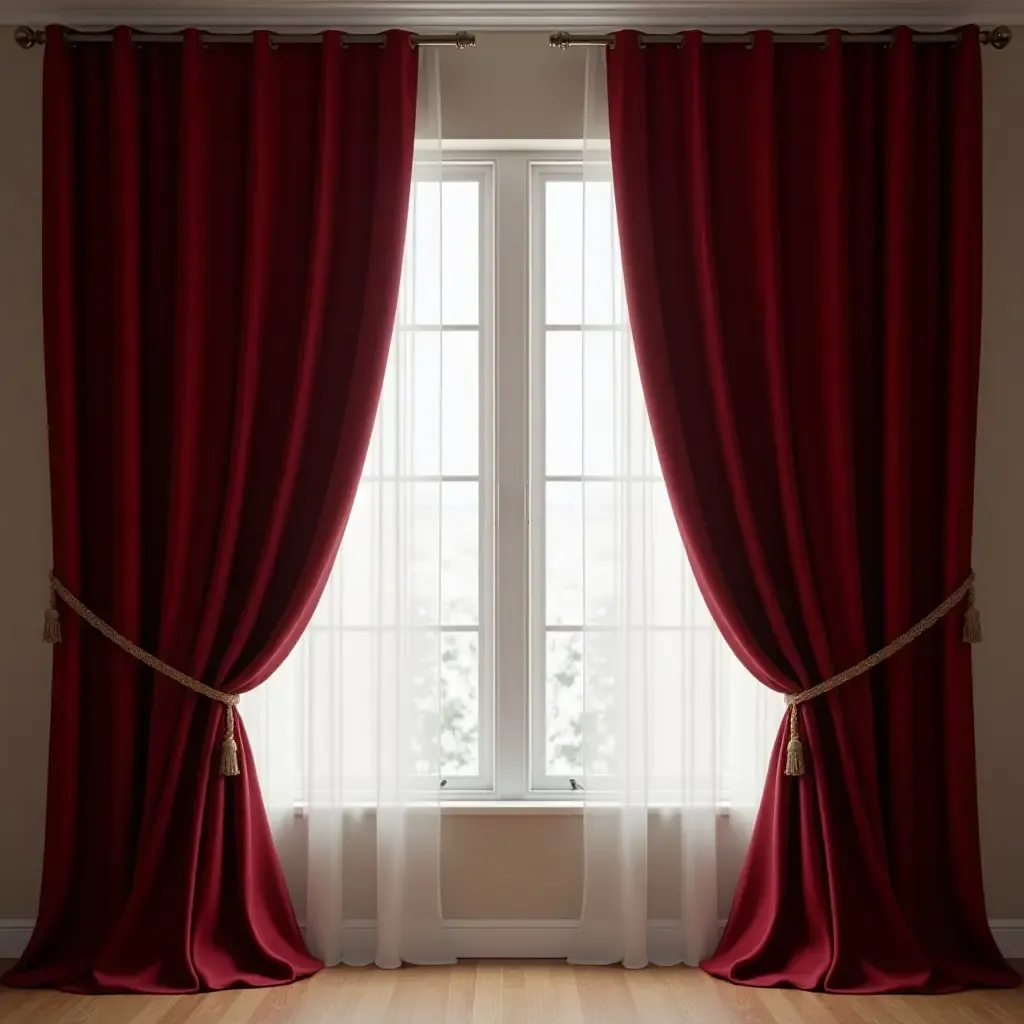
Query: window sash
[(482, 171)]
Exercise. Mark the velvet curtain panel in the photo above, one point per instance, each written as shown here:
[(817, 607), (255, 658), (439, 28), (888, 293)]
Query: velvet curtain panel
[(223, 230), (800, 230)]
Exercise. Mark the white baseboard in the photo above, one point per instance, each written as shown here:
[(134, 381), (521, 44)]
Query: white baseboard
[(548, 939), (511, 940), (1009, 936), (14, 936), (506, 939)]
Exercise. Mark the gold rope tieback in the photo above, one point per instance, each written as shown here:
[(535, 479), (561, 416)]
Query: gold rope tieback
[(52, 635), (971, 635)]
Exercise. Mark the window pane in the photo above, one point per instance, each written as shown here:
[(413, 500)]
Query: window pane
[(460, 554), (418, 412), (460, 404), (601, 542), (460, 704), (601, 258), (564, 703), (563, 406), (582, 369), (564, 554), (563, 245), (600, 360), (437, 418), (460, 252), (569, 254), (419, 546), (453, 252)]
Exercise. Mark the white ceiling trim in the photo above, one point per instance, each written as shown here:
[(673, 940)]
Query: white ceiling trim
[(512, 14)]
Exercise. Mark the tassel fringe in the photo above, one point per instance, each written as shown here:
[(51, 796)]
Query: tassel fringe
[(794, 749), (229, 757), (51, 627), (229, 748), (51, 620), (972, 620), (794, 758)]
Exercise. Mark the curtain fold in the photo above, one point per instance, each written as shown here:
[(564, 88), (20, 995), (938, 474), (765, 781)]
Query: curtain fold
[(675, 732), (223, 232), (349, 728), (801, 244)]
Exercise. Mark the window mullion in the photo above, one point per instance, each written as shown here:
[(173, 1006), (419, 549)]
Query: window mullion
[(512, 421)]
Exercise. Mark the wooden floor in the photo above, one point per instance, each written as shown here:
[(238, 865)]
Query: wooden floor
[(494, 992)]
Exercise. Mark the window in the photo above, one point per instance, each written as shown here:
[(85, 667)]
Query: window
[(439, 393), (510, 459), (579, 336)]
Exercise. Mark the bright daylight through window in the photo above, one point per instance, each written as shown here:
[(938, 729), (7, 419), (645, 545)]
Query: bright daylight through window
[(510, 477)]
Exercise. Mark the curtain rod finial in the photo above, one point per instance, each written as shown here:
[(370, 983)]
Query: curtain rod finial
[(999, 38), (27, 38), (559, 40)]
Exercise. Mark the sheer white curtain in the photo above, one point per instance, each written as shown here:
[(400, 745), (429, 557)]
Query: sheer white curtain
[(346, 736), (676, 735)]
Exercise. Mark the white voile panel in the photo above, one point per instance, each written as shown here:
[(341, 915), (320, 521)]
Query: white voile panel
[(349, 727), (675, 732)]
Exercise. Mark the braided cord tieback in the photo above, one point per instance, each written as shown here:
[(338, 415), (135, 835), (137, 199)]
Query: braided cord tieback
[(971, 634), (52, 635)]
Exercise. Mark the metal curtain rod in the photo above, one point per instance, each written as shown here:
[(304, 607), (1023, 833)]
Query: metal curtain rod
[(27, 38), (998, 38)]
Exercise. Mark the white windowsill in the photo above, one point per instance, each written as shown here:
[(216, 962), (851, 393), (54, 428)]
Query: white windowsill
[(524, 808)]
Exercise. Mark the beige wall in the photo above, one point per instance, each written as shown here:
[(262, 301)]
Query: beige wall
[(999, 491), (24, 487), (515, 866)]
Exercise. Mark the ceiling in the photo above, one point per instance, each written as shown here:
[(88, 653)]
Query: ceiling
[(512, 14)]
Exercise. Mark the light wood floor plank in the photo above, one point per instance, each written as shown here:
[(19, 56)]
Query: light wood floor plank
[(512, 992)]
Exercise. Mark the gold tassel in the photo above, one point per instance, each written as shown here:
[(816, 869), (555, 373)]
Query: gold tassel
[(794, 749), (229, 748), (972, 620), (51, 620), (794, 758)]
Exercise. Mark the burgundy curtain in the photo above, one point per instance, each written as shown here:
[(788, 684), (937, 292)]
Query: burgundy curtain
[(223, 233), (800, 231)]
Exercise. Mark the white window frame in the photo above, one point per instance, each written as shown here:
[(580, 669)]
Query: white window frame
[(481, 170), (512, 410), (512, 627), (541, 173)]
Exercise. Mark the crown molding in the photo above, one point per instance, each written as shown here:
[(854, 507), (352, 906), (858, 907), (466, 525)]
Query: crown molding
[(511, 14)]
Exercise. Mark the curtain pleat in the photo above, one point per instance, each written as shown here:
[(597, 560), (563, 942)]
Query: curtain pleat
[(801, 246), (675, 732), (348, 732), (223, 232)]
